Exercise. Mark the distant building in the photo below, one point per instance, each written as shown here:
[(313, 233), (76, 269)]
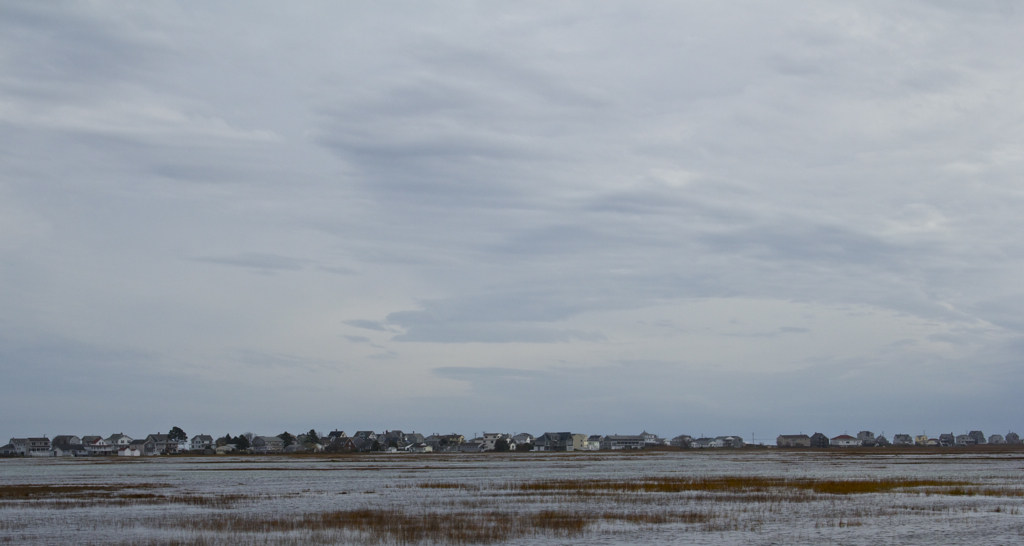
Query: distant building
[(472, 446), (96, 445), (651, 440), (559, 441), (902, 440), (996, 439), (702, 443), (793, 440), (490, 441), (140, 446), (682, 441), (1012, 438), (38, 447), (921, 439), (623, 441), (881, 441), (979, 436), (866, 437), (523, 438), (966, 440), (845, 440), (819, 440), (947, 440), (160, 444), (67, 446), (267, 444), (119, 440), (334, 434), (201, 442)]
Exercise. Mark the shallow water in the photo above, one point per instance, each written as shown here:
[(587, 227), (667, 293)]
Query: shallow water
[(294, 486)]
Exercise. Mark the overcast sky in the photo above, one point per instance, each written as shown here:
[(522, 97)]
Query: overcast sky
[(604, 217)]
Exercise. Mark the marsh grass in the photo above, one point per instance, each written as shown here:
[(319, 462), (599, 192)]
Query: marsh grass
[(35, 491), (398, 526), (745, 484), (63, 497)]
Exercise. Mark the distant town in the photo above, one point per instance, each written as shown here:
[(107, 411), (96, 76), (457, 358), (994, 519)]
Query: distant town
[(177, 442)]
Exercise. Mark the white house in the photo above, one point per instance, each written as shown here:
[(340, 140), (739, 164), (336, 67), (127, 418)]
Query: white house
[(96, 445), (845, 440), (623, 441), (490, 439), (201, 442), (119, 440)]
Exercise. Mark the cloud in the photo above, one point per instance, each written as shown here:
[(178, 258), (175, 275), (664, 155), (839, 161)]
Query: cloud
[(659, 202), (256, 260), (367, 324), (473, 374)]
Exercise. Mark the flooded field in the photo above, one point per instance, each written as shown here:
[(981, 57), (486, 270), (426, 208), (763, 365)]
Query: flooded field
[(709, 497)]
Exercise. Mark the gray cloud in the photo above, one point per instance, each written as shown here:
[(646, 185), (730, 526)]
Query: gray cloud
[(367, 324), (635, 204), (256, 260)]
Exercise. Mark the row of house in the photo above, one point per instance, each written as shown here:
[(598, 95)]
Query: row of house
[(116, 444), (361, 441), (399, 441), (866, 438)]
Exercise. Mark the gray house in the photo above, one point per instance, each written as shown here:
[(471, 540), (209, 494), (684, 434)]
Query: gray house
[(267, 444), (979, 436), (819, 440), (866, 437), (68, 446), (623, 441), (793, 440), (682, 441), (902, 440), (160, 444), (559, 441), (201, 442)]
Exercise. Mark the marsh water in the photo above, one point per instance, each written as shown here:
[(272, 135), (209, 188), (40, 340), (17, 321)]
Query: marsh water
[(977, 496)]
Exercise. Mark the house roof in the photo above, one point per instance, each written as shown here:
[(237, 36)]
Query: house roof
[(844, 437), (203, 438)]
